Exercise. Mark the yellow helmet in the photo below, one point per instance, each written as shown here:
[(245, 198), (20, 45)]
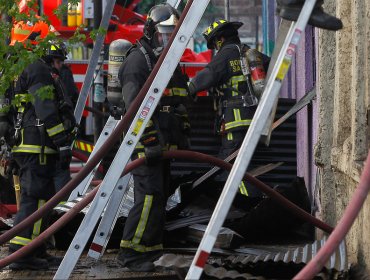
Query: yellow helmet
[(216, 28)]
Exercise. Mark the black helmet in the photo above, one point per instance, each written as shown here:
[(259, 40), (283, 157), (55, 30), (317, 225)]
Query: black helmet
[(57, 51), (160, 23), (218, 28)]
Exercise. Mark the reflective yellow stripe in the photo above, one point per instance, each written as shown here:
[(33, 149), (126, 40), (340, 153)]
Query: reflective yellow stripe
[(82, 145), (86, 147), (230, 136), (37, 225), (32, 149), (143, 219), (172, 147), (235, 124), (89, 148), (141, 155), (243, 190), (140, 248), (234, 83), (18, 240), (55, 130), (237, 116), (178, 92)]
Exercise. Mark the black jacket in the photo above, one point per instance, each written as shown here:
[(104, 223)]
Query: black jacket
[(224, 73), (42, 123), (133, 73)]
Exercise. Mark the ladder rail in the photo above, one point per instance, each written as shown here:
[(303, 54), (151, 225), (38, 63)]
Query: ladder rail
[(108, 221), (250, 141), (106, 132), (187, 24), (98, 44)]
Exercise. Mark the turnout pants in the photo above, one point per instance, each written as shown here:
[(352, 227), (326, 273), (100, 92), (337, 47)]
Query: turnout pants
[(37, 186), (230, 142), (143, 232)]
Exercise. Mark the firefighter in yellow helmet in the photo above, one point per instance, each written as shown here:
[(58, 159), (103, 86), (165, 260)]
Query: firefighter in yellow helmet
[(41, 136), (236, 100)]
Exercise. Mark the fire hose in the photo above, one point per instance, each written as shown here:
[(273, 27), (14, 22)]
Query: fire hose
[(341, 230), (188, 155), (122, 127)]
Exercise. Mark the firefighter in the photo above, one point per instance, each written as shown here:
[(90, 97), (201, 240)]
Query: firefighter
[(290, 9), (41, 137), (236, 103), (65, 73), (56, 54), (141, 242)]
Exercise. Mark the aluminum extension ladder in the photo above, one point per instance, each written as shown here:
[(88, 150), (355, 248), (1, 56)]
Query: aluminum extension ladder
[(111, 123), (250, 142), (112, 180)]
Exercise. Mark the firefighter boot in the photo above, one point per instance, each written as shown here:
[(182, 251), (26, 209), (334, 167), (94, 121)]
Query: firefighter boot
[(290, 10), (138, 262), (53, 261), (29, 263)]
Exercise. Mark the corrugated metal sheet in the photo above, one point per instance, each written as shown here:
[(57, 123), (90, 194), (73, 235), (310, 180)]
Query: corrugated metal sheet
[(262, 260), (299, 255), (282, 147), (181, 264)]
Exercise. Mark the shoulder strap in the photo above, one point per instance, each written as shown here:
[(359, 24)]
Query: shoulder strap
[(146, 55)]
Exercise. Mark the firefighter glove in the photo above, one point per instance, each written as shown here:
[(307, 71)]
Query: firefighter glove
[(192, 91), (65, 157), (153, 155), (62, 139), (116, 112)]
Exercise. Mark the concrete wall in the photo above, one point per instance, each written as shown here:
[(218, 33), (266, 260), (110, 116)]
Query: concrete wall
[(343, 136)]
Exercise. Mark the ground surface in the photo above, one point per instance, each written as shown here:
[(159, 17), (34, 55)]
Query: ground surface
[(108, 268)]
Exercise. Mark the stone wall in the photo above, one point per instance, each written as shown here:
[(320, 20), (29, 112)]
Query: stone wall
[(343, 142)]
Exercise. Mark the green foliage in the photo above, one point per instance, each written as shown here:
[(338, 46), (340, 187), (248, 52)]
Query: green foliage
[(46, 92), (16, 58), (96, 32)]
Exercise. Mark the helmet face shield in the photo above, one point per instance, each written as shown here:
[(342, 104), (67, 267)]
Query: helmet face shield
[(161, 22), (163, 35), (163, 31)]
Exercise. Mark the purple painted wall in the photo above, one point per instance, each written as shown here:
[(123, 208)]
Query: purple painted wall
[(301, 80)]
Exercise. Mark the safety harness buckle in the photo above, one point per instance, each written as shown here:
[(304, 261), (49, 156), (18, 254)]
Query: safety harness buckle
[(166, 109), (39, 123)]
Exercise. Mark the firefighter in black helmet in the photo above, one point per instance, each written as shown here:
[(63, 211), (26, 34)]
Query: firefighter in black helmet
[(235, 100), (143, 233), (41, 137)]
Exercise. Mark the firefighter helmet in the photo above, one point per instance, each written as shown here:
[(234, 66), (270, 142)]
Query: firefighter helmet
[(160, 23), (56, 50), (218, 28), (28, 31)]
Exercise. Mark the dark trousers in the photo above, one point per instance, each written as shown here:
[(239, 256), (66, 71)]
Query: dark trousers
[(37, 186), (143, 232), (230, 142)]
